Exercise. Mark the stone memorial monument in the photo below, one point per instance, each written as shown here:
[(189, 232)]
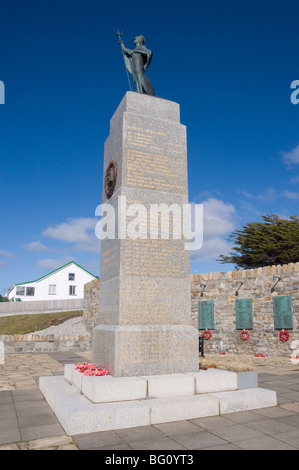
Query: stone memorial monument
[(144, 319), (144, 336)]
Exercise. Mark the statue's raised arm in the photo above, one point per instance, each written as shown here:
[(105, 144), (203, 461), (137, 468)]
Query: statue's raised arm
[(137, 61)]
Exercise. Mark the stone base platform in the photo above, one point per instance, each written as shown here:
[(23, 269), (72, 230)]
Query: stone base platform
[(90, 404)]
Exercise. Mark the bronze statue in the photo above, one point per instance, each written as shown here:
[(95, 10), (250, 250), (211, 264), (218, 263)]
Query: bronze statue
[(137, 61)]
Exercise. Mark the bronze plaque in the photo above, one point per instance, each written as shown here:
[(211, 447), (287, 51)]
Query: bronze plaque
[(110, 179), (206, 315), (283, 314), (243, 312)]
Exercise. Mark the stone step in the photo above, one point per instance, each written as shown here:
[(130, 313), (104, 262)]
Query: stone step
[(108, 389), (78, 415), (246, 399)]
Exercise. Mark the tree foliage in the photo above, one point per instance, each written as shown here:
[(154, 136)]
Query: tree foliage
[(274, 241)]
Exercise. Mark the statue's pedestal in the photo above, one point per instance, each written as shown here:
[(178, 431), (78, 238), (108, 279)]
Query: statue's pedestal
[(144, 324)]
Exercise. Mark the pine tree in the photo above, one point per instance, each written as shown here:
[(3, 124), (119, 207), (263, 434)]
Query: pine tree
[(274, 241)]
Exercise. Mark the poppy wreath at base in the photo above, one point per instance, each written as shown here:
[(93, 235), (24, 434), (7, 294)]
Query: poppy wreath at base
[(90, 369), (284, 335), (207, 334), (245, 335)]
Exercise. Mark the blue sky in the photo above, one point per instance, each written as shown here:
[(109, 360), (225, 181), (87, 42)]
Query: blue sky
[(229, 64)]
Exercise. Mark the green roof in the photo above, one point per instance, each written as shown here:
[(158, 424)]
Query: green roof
[(55, 270)]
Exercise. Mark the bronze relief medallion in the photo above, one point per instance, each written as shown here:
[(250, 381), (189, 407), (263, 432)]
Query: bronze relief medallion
[(110, 179)]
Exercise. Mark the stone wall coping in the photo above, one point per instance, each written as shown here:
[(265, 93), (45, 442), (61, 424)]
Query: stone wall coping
[(36, 338), (247, 273)]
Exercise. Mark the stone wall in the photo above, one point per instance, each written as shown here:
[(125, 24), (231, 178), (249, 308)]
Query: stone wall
[(32, 343), (257, 285), (39, 306), (222, 288)]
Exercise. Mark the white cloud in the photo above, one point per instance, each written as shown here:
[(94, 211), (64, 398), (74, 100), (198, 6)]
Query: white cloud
[(267, 196), (92, 245), (35, 246), (211, 250), (74, 230), (7, 254), (218, 223), (52, 264), (291, 195), (80, 231), (295, 180), (217, 218), (292, 157)]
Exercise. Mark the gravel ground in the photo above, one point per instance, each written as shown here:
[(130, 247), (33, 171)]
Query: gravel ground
[(74, 326), (244, 362)]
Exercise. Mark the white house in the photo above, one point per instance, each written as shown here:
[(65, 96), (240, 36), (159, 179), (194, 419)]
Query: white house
[(66, 282)]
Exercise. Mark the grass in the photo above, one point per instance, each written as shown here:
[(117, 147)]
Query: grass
[(23, 324)]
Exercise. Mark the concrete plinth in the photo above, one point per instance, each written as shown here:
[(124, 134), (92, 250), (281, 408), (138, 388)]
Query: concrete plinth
[(89, 404)]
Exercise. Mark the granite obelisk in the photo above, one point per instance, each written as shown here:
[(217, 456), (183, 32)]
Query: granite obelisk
[(144, 324)]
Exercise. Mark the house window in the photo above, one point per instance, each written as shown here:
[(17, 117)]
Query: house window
[(72, 290), (71, 276), (30, 291), (52, 289), (20, 291)]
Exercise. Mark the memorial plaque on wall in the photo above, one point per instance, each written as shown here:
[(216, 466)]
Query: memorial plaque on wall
[(206, 315), (243, 312), (283, 313)]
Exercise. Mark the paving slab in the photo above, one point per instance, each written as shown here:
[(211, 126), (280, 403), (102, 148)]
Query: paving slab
[(264, 443), (98, 440), (164, 444), (212, 422), (236, 433), (177, 428), (270, 426), (244, 417), (275, 412), (293, 420), (289, 437), (199, 440), (142, 433)]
